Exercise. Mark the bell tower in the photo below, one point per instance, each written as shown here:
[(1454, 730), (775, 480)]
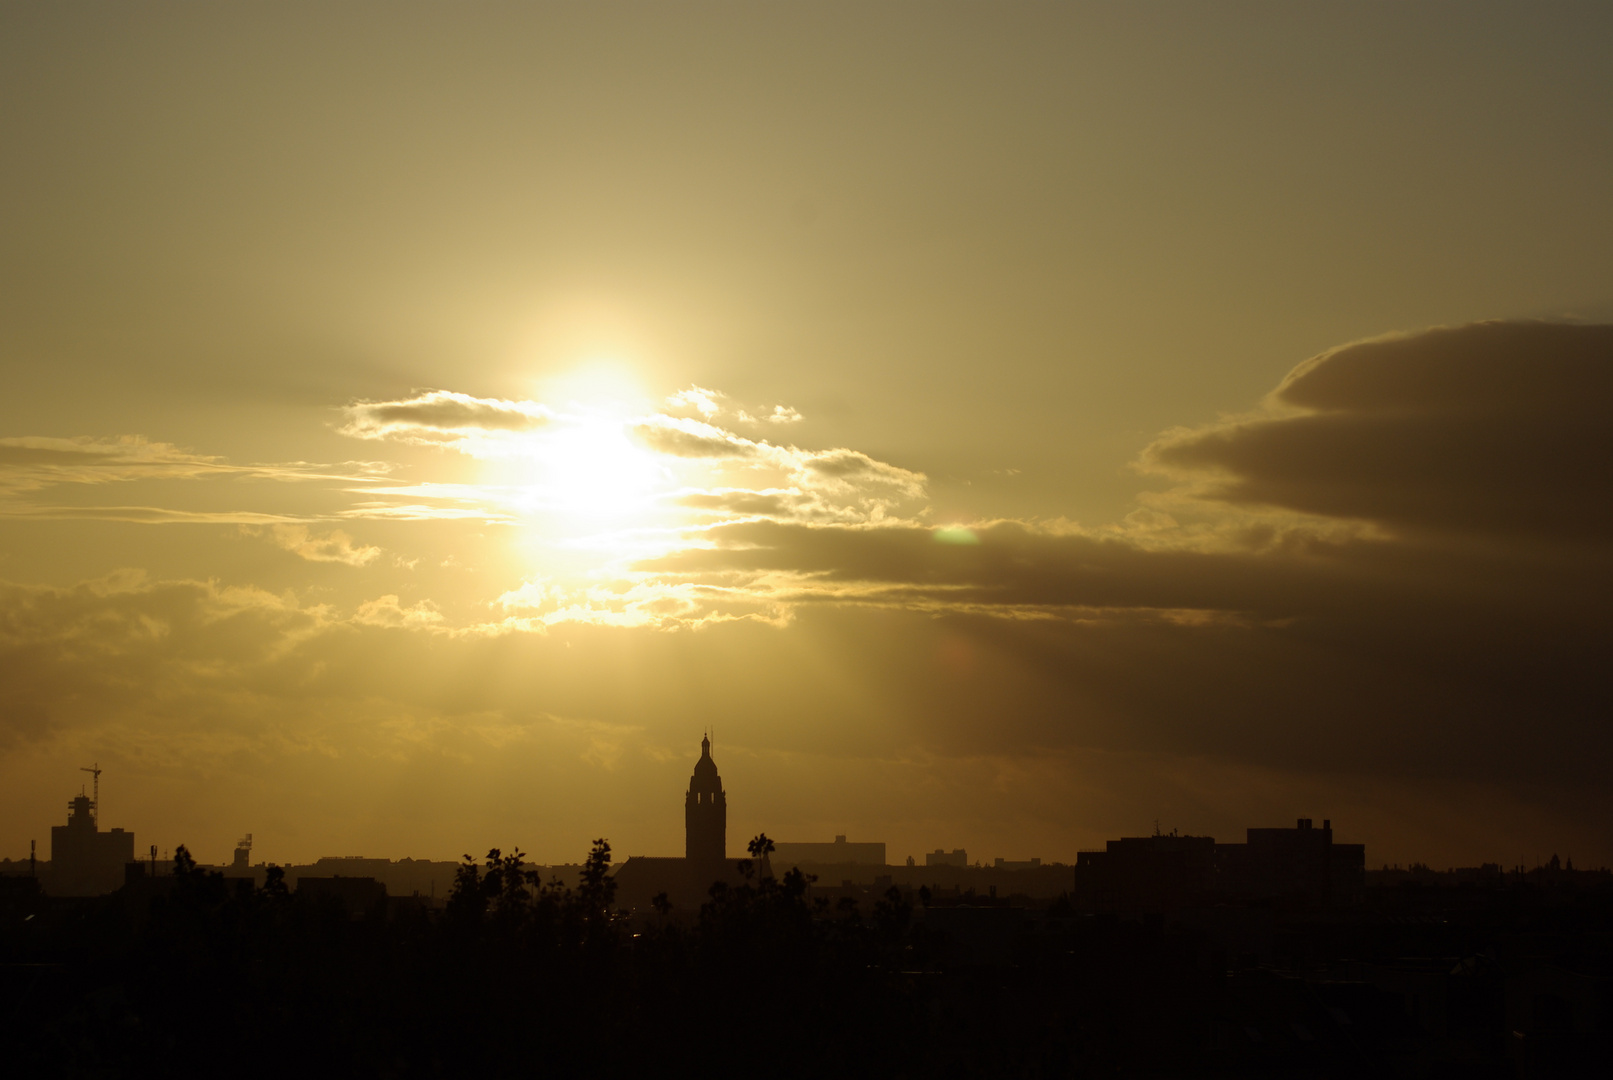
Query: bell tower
[(705, 813)]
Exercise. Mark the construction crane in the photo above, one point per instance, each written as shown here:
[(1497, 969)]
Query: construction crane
[(95, 800)]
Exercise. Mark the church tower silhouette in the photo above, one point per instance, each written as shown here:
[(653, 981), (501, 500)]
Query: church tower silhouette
[(705, 813)]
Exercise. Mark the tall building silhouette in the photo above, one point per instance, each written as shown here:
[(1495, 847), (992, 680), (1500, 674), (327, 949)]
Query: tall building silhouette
[(687, 882), (705, 813), (84, 861)]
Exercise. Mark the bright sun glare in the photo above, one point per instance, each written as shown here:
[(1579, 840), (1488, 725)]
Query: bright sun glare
[(588, 492), (588, 469)]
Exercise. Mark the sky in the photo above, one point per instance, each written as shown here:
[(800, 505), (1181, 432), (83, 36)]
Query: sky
[(1002, 426)]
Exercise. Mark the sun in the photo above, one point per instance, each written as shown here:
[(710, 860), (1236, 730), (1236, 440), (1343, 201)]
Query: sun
[(588, 496), (587, 468)]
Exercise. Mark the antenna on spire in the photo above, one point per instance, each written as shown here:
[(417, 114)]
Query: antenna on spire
[(95, 800)]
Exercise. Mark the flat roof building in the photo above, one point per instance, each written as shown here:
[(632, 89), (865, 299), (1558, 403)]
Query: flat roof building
[(839, 853)]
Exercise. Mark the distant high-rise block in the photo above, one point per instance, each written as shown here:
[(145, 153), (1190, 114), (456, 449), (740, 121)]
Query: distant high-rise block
[(84, 861)]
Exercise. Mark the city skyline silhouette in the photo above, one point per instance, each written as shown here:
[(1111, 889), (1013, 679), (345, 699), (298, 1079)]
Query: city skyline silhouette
[(836, 539), (1168, 952)]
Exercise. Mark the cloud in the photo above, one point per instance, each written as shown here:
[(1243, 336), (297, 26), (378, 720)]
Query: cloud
[(698, 398), (823, 480), (1400, 561), (145, 515), (709, 404), (30, 463), (771, 502), (439, 416), (386, 611), (837, 484), (528, 596), (681, 437), (1380, 654), (123, 643), (335, 546), (1494, 429), (379, 511), (1010, 566), (853, 468), (783, 504), (781, 414)]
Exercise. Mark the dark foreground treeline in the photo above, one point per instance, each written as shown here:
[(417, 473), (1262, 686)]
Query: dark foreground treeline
[(517, 977), (513, 977)]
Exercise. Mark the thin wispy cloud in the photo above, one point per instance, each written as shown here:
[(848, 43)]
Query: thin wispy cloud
[(33, 463), (441, 416), (146, 515)]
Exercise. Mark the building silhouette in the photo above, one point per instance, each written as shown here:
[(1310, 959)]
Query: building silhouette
[(1163, 872), (705, 813), (84, 861), (242, 863), (839, 853), (1299, 867), (1296, 868), (687, 882)]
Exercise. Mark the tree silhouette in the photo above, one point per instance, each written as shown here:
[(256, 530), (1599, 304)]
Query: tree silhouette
[(596, 889)]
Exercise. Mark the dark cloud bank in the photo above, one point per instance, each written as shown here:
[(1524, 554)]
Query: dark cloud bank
[(1496, 430), (1461, 631)]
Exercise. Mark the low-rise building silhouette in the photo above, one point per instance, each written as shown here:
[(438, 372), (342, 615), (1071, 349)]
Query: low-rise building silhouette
[(1016, 864), (1299, 868), (1145, 873), (940, 857), (839, 853)]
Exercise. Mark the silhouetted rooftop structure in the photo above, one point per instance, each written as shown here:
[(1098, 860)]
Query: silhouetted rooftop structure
[(84, 861)]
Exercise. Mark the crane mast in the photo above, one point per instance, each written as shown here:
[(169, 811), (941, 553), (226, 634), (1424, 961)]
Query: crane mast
[(95, 799)]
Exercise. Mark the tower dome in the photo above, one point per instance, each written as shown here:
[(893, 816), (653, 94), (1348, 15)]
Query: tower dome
[(705, 776)]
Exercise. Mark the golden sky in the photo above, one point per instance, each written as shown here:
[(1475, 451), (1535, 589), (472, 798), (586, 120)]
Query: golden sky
[(1005, 425)]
